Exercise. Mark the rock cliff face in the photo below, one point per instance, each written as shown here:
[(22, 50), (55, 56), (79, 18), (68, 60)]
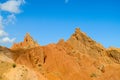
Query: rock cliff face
[(114, 54), (84, 44), (10, 70), (26, 44), (78, 58)]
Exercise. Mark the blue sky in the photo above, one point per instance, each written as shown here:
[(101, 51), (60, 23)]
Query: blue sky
[(50, 20)]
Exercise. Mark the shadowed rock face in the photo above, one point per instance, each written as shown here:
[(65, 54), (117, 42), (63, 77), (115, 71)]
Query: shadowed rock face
[(78, 58), (114, 54)]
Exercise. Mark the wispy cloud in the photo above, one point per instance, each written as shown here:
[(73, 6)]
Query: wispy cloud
[(7, 40), (1, 24), (12, 7), (3, 33), (10, 19)]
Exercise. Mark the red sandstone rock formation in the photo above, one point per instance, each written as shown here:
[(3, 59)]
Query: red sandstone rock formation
[(78, 58), (26, 44)]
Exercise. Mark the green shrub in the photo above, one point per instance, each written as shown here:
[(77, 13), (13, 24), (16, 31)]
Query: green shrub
[(93, 75), (14, 65)]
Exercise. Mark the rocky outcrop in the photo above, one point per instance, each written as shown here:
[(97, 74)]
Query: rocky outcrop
[(26, 44), (10, 70), (33, 58), (114, 54), (84, 44), (78, 58)]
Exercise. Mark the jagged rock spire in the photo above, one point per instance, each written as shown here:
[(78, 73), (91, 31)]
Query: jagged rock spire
[(28, 38), (84, 44), (27, 43), (77, 30), (79, 35)]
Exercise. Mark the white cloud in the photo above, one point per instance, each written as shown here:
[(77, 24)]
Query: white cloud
[(1, 22), (7, 40), (3, 33), (10, 19), (12, 6)]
